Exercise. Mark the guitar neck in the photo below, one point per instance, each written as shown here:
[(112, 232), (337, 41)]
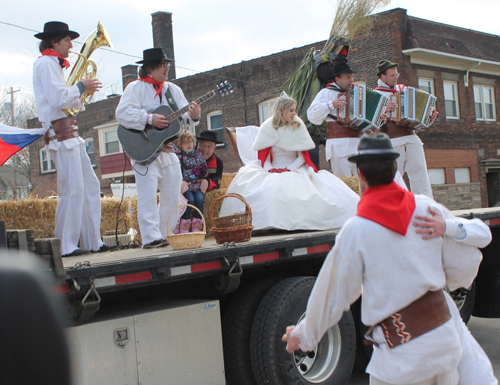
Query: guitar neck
[(177, 114)]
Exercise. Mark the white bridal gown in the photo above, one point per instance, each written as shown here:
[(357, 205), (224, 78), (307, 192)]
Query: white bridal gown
[(297, 200)]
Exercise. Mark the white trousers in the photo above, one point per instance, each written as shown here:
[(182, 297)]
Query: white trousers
[(448, 378), (163, 174), (337, 151), (78, 213), (412, 161)]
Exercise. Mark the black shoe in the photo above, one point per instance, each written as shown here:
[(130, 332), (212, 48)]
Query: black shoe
[(76, 253), (158, 243), (104, 248)]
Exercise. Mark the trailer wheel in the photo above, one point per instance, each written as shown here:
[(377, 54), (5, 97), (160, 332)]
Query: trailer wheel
[(330, 363), (236, 327), (464, 299)]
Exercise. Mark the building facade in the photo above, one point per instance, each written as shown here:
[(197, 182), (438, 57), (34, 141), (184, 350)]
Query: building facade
[(461, 67)]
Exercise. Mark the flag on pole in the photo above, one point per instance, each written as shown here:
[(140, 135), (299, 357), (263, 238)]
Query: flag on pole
[(14, 139)]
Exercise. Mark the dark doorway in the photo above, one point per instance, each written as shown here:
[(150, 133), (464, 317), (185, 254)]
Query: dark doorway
[(493, 186)]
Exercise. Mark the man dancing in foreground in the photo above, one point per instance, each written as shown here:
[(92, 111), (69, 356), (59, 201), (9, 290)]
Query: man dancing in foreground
[(401, 274)]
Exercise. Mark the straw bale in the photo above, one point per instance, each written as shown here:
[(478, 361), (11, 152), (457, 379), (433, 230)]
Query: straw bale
[(352, 182), (226, 179), (109, 218), (39, 215)]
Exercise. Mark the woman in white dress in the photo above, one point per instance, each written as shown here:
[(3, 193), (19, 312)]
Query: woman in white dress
[(283, 188)]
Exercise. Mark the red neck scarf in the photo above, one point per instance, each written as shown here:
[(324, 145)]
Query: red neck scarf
[(386, 88), (50, 52), (156, 84), (389, 205)]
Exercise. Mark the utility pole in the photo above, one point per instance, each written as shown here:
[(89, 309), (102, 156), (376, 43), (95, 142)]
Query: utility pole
[(14, 184)]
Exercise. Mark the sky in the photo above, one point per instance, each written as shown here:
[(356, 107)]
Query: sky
[(208, 34)]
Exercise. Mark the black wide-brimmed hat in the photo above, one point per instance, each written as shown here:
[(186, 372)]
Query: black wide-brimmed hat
[(153, 54), (378, 147), (342, 68), (383, 65), (209, 136), (55, 27)]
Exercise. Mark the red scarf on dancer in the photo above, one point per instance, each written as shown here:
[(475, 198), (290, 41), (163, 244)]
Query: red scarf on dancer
[(156, 84), (51, 52), (263, 154), (389, 205), (389, 89)]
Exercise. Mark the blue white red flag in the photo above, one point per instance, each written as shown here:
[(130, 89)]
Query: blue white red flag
[(14, 139)]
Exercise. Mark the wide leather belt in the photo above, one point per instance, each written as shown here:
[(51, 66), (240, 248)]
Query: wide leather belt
[(336, 131), (421, 316), (65, 128), (395, 131)]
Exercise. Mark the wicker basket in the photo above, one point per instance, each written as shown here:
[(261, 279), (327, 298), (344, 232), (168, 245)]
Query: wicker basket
[(232, 228), (186, 240)]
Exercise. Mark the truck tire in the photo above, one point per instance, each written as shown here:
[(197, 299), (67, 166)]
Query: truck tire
[(236, 327), (285, 304), (464, 299)]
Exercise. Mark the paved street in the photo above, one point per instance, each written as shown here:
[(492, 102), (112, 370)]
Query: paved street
[(485, 330)]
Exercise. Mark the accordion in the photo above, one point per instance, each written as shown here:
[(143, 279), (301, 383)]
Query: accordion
[(414, 108), (363, 109)]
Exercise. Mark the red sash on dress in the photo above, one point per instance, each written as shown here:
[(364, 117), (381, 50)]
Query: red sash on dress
[(263, 154)]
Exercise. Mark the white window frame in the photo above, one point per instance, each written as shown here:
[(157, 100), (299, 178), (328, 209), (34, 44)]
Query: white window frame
[(435, 178), (49, 162), (93, 141), (482, 90), (456, 100), (462, 168), (431, 83), (120, 149), (209, 124), (270, 105)]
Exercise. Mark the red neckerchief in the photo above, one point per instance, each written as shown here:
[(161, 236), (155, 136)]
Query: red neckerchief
[(212, 162), (51, 52), (389, 205), (263, 154), (389, 89), (156, 84), (335, 87)]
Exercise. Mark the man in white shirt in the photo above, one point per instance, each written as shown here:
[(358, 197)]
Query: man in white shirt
[(341, 141), (401, 275), (162, 172), (78, 214), (404, 139)]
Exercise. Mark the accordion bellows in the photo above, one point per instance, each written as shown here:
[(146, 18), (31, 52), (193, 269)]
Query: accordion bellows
[(363, 109), (414, 108)]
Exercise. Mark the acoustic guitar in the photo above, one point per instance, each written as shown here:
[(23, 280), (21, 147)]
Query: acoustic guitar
[(143, 145)]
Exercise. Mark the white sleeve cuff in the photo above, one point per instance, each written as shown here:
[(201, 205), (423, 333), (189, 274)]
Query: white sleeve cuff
[(455, 230)]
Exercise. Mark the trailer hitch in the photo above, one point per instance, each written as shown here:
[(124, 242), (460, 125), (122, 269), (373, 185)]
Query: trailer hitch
[(90, 303), (228, 283)]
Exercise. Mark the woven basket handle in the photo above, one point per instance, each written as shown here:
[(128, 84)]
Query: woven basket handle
[(186, 204), (233, 195)]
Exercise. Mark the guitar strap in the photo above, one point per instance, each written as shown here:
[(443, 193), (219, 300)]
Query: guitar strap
[(170, 100)]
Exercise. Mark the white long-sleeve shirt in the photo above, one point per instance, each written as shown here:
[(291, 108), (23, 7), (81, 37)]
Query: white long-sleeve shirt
[(52, 96), (392, 271), (139, 100), (322, 106)]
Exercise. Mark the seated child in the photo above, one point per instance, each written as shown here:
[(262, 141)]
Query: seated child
[(194, 168)]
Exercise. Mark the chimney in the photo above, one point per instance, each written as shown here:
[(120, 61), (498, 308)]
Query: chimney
[(129, 74), (163, 37)]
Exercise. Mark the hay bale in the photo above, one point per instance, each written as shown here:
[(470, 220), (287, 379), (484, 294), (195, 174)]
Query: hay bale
[(39, 215), (226, 179), (351, 182), (109, 217)]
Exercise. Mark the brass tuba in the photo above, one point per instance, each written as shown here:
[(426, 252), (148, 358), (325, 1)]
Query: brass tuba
[(98, 38)]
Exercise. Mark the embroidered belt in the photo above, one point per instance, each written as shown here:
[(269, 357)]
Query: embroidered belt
[(396, 131), (65, 128), (421, 316), (335, 131)]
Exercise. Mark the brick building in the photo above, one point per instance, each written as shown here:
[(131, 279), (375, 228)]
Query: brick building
[(461, 67)]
